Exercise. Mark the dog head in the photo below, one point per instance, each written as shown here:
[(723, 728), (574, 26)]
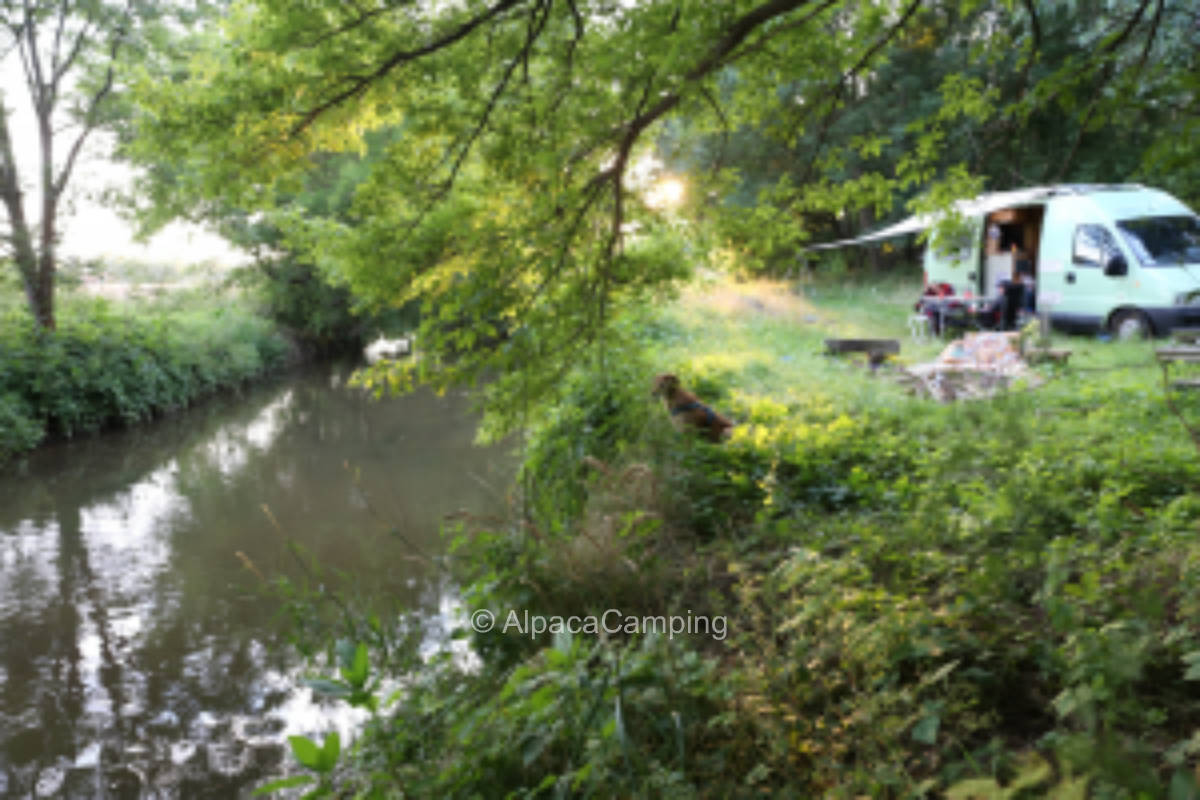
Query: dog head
[(665, 385)]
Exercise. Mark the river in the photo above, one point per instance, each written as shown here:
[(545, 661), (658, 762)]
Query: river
[(139, 655)]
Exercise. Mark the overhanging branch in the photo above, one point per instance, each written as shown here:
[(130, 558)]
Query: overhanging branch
[(360, 84)]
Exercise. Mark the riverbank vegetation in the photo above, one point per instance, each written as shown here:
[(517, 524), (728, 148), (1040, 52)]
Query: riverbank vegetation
[(990, 599), (978, 600), (119, 360)]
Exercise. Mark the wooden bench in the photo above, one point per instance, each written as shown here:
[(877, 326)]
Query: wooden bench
[(1172, 353), (1038, 355), (1180, 354), (877, 350), (1186, 335)]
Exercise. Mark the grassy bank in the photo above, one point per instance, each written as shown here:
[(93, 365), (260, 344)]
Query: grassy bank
[(990, 599), (119, 362)]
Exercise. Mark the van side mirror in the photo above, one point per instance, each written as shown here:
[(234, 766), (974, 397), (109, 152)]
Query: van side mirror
[(1116, 266)]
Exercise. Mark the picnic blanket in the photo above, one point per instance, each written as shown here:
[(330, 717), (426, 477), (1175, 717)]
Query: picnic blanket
[(977, 365)]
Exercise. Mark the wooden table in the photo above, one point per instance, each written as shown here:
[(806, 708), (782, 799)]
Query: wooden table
[(1036, 355), (955, 308)]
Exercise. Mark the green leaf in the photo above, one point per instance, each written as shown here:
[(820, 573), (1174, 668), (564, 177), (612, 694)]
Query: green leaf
[(329, 688), (306, 752), (975, 789), (939, 673), (283, 783), (533, 751), (1183, 786), (356, 665), (330, 752), (345, 650), (1032, 770), (1193, 671), (926, 730)]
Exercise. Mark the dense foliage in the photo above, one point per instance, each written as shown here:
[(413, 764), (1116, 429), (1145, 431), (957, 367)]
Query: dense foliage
[(101, 368), (510, 202), (995, 599), (980, 601), (1013, 94)]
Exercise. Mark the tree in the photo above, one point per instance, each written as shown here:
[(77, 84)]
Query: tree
[(507, 206), (1084, 92), (68, 52)]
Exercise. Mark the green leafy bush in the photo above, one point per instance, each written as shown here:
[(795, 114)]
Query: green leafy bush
[(18, 430), (100, 369)]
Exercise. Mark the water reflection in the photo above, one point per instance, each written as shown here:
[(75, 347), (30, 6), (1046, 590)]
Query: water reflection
[(137, 657)]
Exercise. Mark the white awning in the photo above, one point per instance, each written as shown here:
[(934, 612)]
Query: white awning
[(976, 207)]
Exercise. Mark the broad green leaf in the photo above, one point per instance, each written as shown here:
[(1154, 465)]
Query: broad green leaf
[(1183, 786), (356, 666), (306, 752), (330, 751)]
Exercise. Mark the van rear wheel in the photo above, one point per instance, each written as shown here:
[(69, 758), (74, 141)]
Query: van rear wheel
[(1129, 324)]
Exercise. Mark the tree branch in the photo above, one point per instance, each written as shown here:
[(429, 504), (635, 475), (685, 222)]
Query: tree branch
[(879, 45), (360, 84), (1128, 29), (76, 47), (726, 130), (1035, 24), (1107, 76), (1154, 23), (531, 35), (89, 114), (58, 33), (364, 17), (762, 42)]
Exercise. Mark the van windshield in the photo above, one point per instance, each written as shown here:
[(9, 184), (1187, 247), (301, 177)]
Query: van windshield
[(1163, 241)]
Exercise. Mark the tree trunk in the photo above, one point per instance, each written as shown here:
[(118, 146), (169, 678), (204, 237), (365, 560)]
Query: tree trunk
[(43, 305), (36, 265), (37, 274)]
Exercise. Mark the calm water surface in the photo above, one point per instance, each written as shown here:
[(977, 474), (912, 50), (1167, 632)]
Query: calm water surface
[(138, 656)]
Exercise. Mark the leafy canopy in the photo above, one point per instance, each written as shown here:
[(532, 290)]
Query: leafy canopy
[(506, 203)]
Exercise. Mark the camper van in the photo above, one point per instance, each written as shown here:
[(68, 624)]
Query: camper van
[(1122, 258)]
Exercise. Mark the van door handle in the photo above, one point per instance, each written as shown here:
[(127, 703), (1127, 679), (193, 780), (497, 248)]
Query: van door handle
[(1070, 277)]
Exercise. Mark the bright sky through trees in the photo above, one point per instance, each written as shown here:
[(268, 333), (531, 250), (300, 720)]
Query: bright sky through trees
[(92, 227)]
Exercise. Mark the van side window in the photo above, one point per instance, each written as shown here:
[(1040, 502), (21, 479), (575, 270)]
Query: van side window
[(1093, 246)]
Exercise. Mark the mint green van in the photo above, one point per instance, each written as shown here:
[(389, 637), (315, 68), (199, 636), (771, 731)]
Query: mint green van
[(1122, 258)]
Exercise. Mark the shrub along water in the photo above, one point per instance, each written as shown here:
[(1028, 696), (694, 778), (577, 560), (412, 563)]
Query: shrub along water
[(996, 599), (101, 368)]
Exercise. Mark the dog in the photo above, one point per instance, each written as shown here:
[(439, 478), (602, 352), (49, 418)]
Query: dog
[(687, 411)]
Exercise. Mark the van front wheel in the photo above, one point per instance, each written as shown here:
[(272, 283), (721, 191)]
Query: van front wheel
[(1129, 324)]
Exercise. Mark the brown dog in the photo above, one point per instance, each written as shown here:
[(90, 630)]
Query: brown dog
[(687, 410)]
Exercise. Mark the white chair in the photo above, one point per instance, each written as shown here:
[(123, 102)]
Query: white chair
[(918, 326)]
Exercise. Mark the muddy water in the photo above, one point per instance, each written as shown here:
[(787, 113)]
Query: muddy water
[(139, 657)]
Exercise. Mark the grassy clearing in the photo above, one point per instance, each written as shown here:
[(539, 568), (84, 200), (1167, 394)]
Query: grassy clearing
[(991, 599)]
